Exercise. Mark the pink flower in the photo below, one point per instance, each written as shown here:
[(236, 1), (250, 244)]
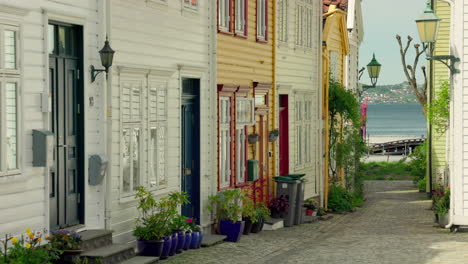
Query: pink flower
[(189, 220)]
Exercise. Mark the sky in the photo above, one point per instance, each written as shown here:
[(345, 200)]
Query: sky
[(383, 20)]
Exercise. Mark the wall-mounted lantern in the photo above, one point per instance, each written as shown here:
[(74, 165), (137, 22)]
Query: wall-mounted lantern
[(107, 56), (373, 69)]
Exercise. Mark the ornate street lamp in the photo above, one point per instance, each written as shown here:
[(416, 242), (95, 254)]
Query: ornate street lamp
[(428, 27), (373, 69), (107, 56)]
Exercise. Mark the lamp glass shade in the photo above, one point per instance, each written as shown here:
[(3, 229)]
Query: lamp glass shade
[(107, 55), (428, 25), (373, 68)]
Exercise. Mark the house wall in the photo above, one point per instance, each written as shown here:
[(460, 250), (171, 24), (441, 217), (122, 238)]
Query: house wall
[(163, 42), (298, 75), (336, 37), (24, 197), (440, 73), (241, 61)]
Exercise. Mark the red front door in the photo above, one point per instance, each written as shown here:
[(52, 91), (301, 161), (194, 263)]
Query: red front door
[(284, 135)]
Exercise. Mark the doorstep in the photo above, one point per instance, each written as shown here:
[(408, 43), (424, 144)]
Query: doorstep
[(211, 240), (273, 224)]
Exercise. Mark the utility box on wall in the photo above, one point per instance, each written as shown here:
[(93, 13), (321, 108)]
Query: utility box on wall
[(97, 169), (43, 148), (254, 171)]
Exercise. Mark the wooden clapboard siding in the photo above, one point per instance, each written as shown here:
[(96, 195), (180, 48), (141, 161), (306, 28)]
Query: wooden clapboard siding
[(440, 73), (298, 74), (153, 39), (24, 198)]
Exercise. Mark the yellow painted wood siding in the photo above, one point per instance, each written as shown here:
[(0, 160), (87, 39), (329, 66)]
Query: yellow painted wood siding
[(242, 61), (336, 36), (440, 73)]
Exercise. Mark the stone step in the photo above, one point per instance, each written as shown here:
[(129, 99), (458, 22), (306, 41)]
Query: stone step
[(111, 254), (141, 260), (273, 224), (211, 240), (93, 239)]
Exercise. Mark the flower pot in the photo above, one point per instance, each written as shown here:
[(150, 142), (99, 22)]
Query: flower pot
[(247, 226), (180, 241), (200, 240), (253, 139), (69, 256), (233, 231), (443, 220), (150, 248), (166, 247), (272, 138), (174, 240), (188, 240), (309, 212), (258, 226), (276, 214), (195, 240)]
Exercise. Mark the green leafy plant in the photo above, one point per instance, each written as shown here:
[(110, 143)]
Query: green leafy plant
[(442, 203), (311, 204), (260, 212), (339, 199), (27, 249), (439, 109), (422, 184), (192, 225), (65, 240), (418, 162), (227, 205), (180, 223), (155, 216), (274, 132)]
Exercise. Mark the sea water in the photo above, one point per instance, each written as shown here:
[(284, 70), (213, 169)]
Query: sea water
[(395, 120)]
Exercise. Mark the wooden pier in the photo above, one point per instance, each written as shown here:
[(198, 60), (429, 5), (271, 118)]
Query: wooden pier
[(399, 147)]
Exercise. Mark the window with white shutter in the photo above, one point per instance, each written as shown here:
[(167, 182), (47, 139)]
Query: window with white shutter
[(304, 130), (9, 101), (224, 15), (283, 20), (224, 142), (262, 20), (306, 19), (241, 158), (241, 17)]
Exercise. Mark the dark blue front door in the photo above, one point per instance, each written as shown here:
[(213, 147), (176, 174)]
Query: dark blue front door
[(190, 160)]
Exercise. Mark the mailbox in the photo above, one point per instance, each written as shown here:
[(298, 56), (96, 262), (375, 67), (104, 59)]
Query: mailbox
[(253, 167), (97, 169), (43, 148)]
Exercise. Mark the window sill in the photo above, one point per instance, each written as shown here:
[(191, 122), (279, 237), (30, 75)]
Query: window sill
[(244, 184), (224, 32), (193, 10), (241, 35), (225, 188), (13, 176), (259, 40)]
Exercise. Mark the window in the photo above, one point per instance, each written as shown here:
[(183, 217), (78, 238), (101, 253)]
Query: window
[(224, 15), (241, 157), (283, 20), (224, 142), (241, 17), (245, 111), (262, 20), (9, 101), (304, 130), (334, 67), (191, 4), (306, 20)]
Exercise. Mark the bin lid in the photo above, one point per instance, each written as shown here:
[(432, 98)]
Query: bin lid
[(294, 176), (284, 179)]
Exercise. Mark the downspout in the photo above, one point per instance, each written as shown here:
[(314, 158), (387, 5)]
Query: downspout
[(108, 118), (275, 95), (429, 132)]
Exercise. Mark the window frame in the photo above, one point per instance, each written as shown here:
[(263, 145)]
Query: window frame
[(305, 16), (228, 28), (251, 101), (223, 128), (262, 37), (303, 122), (188, 4), (243, 32), (283, 21), (10, 76)]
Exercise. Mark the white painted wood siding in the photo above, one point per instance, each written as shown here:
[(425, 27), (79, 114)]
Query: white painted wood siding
[(298, 73), (156, 40), (24, 198)]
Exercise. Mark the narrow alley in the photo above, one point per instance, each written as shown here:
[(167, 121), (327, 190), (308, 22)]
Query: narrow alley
[(394, 226)]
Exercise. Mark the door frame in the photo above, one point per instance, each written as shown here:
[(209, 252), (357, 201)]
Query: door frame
[(78, 22), (284, 100)]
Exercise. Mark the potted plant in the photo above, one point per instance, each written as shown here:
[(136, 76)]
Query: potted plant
[(68, 242), (227, 208), (152, 226), (311, 206), (261, 213), (247, 215), (442, 207), (196, 233), (279, 206), (180, 226), (253, 138), (273, 135)]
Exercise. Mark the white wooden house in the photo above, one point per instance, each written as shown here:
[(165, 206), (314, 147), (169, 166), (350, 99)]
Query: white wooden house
[(46, 48), (161, 128), (298, 78), (355, 27)]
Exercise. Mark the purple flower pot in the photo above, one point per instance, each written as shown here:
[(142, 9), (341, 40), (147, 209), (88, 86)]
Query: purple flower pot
[(188, 240), (233, 231), (166, 247), (200, 239), (150, 248), (180, 241), (174, 241), (195, 240)]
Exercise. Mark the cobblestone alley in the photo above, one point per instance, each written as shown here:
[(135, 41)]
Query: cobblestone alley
[(394, 226)]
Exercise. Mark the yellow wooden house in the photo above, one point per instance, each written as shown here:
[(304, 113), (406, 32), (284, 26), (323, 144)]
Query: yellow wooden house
[(335, 48), (246, 96)]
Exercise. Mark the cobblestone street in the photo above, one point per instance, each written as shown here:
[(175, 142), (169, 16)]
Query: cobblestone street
[(394, 226)]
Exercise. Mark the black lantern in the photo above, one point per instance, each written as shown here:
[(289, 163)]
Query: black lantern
[(373, 68), (107, 57)]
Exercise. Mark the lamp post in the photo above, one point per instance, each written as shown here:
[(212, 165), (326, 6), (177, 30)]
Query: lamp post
[(107, 57), (373, 69), (428, 27)]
